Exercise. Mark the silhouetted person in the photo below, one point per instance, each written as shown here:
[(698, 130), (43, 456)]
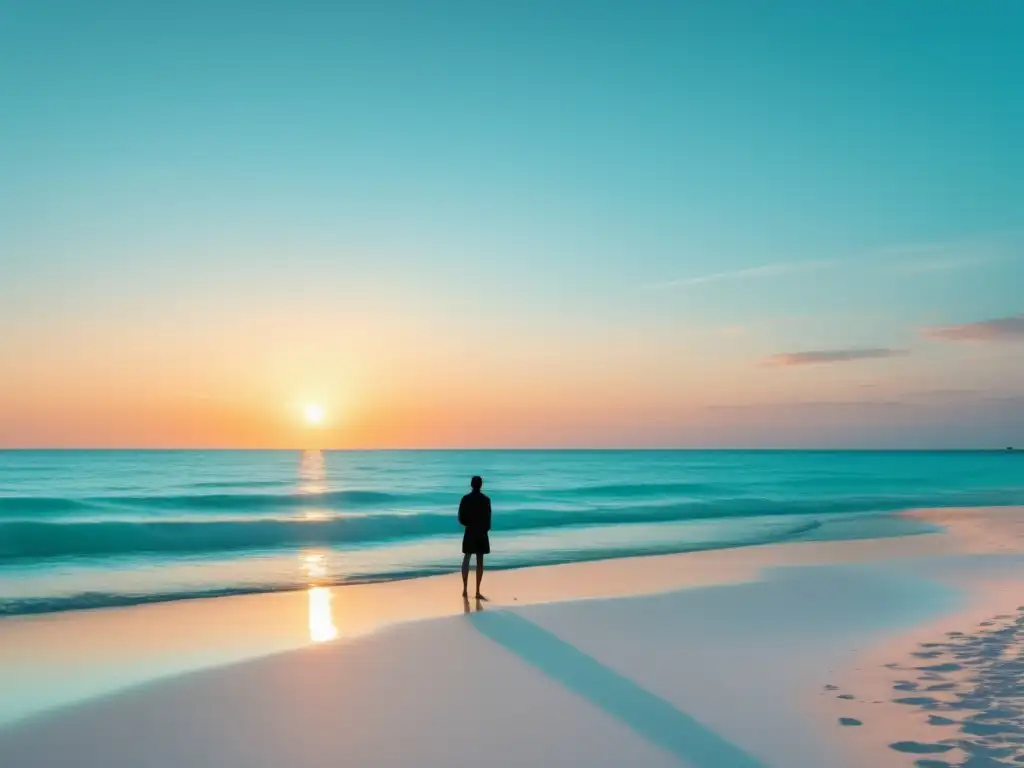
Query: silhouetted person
[(475, 516)]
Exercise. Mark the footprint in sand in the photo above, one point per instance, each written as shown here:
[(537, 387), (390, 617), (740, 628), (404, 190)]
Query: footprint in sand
[(920, 748), (849, 721), (917, 701)]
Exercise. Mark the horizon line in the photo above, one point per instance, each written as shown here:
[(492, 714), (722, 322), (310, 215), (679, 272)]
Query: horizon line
[(576, 449)]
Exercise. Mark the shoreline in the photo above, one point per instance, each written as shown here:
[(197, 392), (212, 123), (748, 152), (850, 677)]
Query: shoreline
[(880, 525), (803, 550), (235, 628), (142, 652)]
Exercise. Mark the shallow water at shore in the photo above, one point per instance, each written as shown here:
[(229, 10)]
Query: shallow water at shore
[(83, 529)]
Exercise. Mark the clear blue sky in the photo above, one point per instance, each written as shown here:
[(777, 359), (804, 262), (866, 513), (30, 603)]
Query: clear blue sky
[(639, 222)]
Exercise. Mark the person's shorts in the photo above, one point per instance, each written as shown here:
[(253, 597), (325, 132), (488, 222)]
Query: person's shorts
[(476, 543)]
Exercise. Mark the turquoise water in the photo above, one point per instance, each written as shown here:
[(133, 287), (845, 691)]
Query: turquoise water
[(83, 529)]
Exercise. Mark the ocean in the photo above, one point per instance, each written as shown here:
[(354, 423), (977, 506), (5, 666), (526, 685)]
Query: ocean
[(88, 529)]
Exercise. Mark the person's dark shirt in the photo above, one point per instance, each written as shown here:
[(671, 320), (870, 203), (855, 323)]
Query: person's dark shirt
[(475, 511)]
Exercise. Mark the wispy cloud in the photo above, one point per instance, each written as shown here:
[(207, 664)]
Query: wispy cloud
[(768, 270), (804, 405), (1000, 329), (923, 258), (944, 263), (821, 356), (908, 258), (944, 398), (942, 395)]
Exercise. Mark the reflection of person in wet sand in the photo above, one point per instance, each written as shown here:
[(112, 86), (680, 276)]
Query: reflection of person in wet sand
[(475, 516)]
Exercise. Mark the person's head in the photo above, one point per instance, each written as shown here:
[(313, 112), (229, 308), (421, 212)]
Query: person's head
[(476, 483)]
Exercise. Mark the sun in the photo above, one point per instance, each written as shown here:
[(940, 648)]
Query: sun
[(314, 414)]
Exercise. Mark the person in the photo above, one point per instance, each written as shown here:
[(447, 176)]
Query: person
[(475, 517)]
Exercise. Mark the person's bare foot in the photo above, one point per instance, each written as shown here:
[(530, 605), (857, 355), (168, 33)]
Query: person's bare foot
[(465, 593), (481, 597)]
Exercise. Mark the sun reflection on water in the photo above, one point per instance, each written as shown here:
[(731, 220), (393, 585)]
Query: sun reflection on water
[(321, 617), (313, 482), (321, 620), (312, 473)]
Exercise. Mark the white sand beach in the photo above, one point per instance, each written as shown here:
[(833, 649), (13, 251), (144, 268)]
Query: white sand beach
[(712, 659)]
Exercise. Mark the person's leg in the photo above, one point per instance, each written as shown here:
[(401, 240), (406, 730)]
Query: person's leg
[(465, 575), (479, 572)]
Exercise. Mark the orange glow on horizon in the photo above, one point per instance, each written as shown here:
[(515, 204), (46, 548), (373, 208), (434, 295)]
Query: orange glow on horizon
[(395, 387)]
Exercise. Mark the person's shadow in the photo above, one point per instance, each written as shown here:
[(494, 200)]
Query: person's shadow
[(465, 605), (647, 714)]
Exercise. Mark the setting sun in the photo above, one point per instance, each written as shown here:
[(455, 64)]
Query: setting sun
[(314, 414)]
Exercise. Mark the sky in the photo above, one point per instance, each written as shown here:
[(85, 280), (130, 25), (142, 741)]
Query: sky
[(529, 224)]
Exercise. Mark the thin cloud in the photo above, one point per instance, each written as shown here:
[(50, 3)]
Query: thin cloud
[(908, 258), (945, 263), (1000, 329), (962, 397), (822, 356), (943, 395), (923, 258), (811, 405), (769, 270)]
